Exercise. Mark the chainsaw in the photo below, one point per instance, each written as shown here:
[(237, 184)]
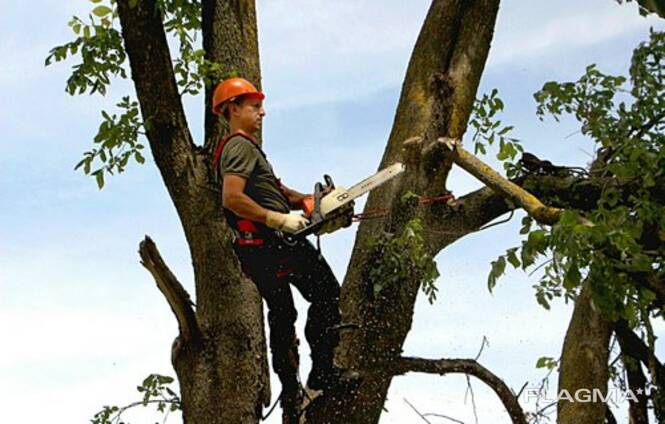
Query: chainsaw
[(331, 208)]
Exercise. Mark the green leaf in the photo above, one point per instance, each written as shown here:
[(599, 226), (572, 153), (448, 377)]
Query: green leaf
[(99, 177), (512, 258), (546, 362), (101, 11)]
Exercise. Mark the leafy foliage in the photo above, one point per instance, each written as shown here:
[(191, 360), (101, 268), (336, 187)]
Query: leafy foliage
[(547, 362), (117, 138), (647, 7), (628, 232), (488, 130), (402, 257), (155, 389), (101, 58)]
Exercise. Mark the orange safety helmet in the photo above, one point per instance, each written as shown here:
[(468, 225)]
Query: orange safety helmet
[(230, 89)]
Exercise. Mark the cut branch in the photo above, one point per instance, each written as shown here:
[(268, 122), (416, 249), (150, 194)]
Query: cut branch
[(468, 367), (516, 194), (175, 293)]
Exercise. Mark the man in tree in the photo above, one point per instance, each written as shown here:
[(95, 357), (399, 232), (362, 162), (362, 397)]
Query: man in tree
[(257, 207)]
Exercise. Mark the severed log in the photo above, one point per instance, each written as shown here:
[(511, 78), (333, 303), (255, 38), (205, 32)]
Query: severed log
[(516, 194)]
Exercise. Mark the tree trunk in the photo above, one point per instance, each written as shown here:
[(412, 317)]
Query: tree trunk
[(436, 100), (220, 355), (584, 363), (222, 373)]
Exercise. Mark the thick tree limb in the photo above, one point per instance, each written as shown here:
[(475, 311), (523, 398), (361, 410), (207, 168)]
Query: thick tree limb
[(511, 191), (436, 98), (175, 293), (633, 346), (637, 411), (464, 366), (152, 72)]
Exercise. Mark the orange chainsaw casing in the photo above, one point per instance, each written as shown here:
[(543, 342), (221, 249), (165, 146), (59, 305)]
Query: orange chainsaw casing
[(307, 204)]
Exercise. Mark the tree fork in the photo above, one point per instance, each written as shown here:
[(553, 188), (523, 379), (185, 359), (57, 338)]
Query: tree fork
[(437, 96), (226, 380)]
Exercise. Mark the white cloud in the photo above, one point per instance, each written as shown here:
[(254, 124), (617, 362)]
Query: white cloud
[(551, 33)]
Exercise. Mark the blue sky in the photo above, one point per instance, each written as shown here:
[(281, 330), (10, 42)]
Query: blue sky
[(82, 320)]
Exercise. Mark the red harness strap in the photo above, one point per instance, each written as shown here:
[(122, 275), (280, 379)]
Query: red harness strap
[(220, 147)]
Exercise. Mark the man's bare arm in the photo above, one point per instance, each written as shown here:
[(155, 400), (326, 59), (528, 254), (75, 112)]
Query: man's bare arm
[(235, 199), (294, 197)]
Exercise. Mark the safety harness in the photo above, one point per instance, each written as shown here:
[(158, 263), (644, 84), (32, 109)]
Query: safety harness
[(246, 232)]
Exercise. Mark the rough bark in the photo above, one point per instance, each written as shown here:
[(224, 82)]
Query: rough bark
[(222, 379), (436, 99), (173, 291), (584, 362), (230, 38)]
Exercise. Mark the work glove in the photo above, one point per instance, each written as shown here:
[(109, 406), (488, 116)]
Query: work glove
[(285, 222)]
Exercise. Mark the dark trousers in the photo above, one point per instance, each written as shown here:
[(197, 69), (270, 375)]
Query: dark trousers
[(275, 265)]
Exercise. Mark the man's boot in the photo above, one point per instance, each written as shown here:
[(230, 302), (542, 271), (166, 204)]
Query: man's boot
[(292, 391), (291, 402)]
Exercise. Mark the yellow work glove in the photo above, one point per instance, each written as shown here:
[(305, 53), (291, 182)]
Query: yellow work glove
[(285, 222)]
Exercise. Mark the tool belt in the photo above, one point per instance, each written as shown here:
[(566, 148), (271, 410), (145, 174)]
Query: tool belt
[(279, 258), (249, 233), (246, 233)]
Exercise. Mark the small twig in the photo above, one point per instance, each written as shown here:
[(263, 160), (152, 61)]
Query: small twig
[(417, 412), (572, 134), (521, 390), (444, 416), (469, 389), (272, 408), (540, 266), (503, 221), (484, 343), (541, 411), (116, 418)]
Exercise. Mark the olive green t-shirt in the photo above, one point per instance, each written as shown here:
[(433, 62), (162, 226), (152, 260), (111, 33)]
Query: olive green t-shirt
[(241, 157)]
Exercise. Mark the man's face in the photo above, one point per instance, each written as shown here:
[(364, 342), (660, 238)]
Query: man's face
[(249, 114)]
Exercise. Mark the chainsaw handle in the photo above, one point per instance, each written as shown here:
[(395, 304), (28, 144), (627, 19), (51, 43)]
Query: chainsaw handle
[(329, 182), (318, 194)]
